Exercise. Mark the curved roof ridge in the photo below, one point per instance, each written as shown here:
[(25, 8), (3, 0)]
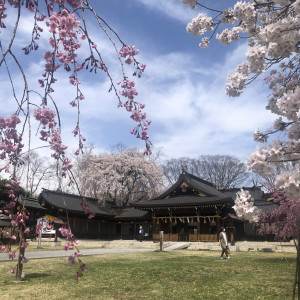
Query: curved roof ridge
[(195, 182), (187, 174), (72, 202), (68, 194)]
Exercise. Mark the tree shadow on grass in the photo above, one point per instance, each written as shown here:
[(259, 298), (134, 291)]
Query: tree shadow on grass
[(276, 260), (30, 276)]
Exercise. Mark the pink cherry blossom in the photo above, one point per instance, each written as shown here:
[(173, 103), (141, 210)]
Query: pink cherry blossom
[(24, 260)]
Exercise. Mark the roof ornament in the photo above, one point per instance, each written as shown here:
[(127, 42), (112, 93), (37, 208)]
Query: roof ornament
[(183, 187), (201, 194)]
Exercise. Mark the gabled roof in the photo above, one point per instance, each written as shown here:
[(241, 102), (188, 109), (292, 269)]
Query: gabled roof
[(131, 213), (194, 182), (256, 192), (31, 203), (59, 200), (201, 193), (266, 206), (5, 221), (183, 201), (259, 196)]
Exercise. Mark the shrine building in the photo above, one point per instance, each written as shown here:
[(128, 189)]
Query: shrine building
[(191, 210)]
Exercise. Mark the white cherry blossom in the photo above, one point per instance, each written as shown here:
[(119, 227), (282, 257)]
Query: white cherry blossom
[(244, 206), (272, 31)]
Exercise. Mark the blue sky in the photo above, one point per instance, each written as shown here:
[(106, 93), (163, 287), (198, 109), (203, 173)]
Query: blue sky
[(183, 86)]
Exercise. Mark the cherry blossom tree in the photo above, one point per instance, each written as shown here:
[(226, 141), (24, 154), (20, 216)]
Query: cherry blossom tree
[(121, 177), (244, 206), (61, 27), (271, 29), (5, 194), (286, 218)]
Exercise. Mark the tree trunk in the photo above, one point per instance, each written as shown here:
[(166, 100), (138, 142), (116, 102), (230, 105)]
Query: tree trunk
[(298, 266), (21, 255), (297, 277)]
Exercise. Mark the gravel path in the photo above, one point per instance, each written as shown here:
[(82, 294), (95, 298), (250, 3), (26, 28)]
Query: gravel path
[(62, 253)]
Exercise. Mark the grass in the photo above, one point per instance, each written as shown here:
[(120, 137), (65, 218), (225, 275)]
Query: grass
[(182, 274)]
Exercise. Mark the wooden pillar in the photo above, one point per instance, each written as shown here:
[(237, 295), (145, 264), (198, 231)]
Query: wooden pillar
[(198, 228), (154, 226), (170, 226), (218, 225), (134, 231), (55, 236), (98, 230), (87, 229), (232, 242), (107, 225)]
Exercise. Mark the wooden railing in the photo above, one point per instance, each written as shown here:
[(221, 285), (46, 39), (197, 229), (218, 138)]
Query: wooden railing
[(172, 237), (192, 237), (203, 237)]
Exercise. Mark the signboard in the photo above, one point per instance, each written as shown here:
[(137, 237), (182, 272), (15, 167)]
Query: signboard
[(45, 225)]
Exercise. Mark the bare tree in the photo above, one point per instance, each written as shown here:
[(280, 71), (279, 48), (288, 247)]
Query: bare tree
[(117, 148), (35, 172), (223, 171), (174, 167)]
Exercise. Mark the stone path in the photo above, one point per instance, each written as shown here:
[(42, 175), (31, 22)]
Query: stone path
[(177, 246), (62, 253)]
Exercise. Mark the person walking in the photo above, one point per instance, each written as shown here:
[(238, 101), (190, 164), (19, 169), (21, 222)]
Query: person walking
[(141, 233), (223, 243)]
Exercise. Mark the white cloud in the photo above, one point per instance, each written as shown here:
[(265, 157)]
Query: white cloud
[(171, 8), (187, 103), (191, 113)]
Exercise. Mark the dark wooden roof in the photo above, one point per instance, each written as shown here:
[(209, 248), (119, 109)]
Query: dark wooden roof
[(59, 200), (256, 192), (183, 201), (31, 203), (131, 213), (5, 221), (194, 182), (189, 190), (266, 206), (260, 198)]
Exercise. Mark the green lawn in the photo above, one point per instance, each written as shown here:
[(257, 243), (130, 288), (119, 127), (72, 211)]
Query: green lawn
[(182, 274)]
